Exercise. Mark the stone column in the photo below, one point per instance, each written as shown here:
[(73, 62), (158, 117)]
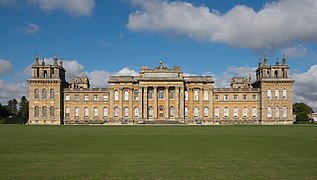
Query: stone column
[(166, 103), (201, 108), (111, 108), (120, 103), (130, 103), (140, 102), (155, 102), (181, 103), (191, 102), (176, 102), (145, 103)]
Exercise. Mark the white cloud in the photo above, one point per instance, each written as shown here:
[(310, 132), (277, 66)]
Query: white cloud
[(7, 2), (30, 28), (275, 25), (298, 51), (73, 7), (12, 90), (5, 67)]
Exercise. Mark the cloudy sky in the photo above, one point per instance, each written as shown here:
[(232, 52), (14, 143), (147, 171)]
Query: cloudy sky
[(102, 38)]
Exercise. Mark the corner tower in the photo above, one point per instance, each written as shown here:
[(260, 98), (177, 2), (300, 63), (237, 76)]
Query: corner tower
[(46, 92), (276, 92)]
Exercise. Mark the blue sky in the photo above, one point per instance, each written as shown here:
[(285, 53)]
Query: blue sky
[(102, 38)]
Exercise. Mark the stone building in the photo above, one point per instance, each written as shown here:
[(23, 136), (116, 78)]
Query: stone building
[(160, 95)]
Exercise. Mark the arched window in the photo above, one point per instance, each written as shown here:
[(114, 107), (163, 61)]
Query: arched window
[(206, 111), (44, 94), (196, 95), (277, 94), (269, 112), (284, 94), (235, 112), (276, 74), (116, 111), (195, 112), (226, 112), (136, 112), (284, 112), (186, 112), (254, 112), (36, 112), (95, 112), (76, 111), (171, 111), (116, 95), (52, 112), (161, 112), (67, 112), (277, 112), (186, 95), (52, 94), (126, 95), (44, 112), (136, 95), (150, 111), (269, 94), (217, 112), (126, 112), (206, 95), (105, 112), (86, 112), (36, 93), (245, 112)]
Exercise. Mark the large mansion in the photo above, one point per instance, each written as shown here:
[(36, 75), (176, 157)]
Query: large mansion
[(159, 95)]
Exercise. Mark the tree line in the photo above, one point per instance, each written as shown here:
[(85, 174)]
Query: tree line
[(15, 112)]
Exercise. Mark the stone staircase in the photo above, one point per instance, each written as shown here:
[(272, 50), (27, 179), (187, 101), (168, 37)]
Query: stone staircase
[(162, 122)]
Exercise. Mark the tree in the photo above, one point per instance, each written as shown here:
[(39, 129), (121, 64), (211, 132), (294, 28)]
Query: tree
[(301, 110), (23, 113), (12, 106)]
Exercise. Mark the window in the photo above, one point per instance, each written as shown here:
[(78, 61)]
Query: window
[(126, 95), (245, 112), (86, 112), (44, 94), (86, 98), (235, 112), (105, 97), (186, 95), (67, 97), (206, 95), (116, 112), (36, 94), (96, 112), (67, 112), (36, 112), (136, 112), (171, 111), (269, 112), (254, 112), (76, 98), (161, 94), (254, 97), (186, 112), (105, 112), (284, 112), (284, 94), (195, 112), (150, 94), (216, 97), (76, 112), (116, 95), (269, 94), (95, 97), (206, 111), (52, 94), (126, 112), (277, 112), (216, 112), (245, 97), (235, 97), (52, 112), (226, 112), (171, 94), (226, 97), (277, 94), (195, 95), (136, 95), (150, 111), (44, 112), (161, 112)]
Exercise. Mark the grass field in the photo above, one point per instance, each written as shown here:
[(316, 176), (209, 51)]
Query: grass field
[(158, 152)]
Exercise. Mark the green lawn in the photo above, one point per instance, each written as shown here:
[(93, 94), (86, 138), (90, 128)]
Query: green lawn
[(158, 152)]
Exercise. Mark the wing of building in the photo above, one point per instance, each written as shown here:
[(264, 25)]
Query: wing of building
[(160, 95)]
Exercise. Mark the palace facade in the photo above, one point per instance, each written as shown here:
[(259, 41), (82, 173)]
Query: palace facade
[(160, 95)]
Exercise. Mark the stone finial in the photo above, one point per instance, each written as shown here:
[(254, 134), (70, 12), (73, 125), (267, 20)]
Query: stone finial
[(259, 63), (284, 60), (43, 62), (61, 62), (265, 60), (55, 60), (36, 60), (277, 62), (161, 64)]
